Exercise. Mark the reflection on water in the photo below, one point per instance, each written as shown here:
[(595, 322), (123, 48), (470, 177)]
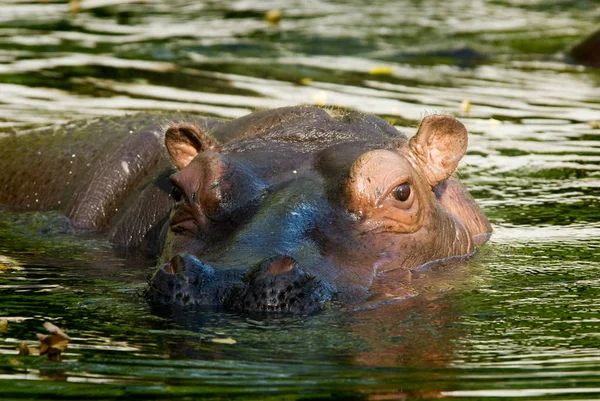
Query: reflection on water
[(519, 321)]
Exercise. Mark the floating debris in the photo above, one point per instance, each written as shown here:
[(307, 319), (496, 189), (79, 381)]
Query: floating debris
[(594, 124), (228, 341), (53, 344), (273, 16), (306, 81), (3, 325), (381, 70), (24, 349), (466, 106), (74, 6), (7, 263)]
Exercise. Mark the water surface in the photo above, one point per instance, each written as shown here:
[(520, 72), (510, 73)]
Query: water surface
[(520, 320)]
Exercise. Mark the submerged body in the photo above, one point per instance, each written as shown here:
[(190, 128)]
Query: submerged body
[(587, 52), (281, 210)]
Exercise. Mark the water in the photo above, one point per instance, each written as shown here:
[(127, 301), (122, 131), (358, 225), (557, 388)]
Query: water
[(520, 320)]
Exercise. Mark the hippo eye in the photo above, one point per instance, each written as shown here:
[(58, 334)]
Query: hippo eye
[(176, 193), (401, 192)]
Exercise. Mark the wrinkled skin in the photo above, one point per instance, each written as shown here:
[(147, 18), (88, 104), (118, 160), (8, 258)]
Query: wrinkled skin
[(107, 174), (279, 211), (299, 207)]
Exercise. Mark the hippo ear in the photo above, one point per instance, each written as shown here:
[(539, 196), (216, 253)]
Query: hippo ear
[(185, 141), (439, 144)]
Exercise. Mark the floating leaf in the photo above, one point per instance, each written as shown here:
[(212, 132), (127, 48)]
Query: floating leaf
[(3, 326), (381, 70), (466, 106), (594, 124), (228, 341), (56, 330), (7, 263), (273, 16), (306, 81), (23, 349), (74, 6), (53, 344)]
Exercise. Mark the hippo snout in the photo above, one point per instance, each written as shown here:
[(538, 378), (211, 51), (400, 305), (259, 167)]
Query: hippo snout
[(276, 284), (185, 280)]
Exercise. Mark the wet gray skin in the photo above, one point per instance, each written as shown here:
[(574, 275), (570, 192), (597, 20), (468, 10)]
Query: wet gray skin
[(587, 51), (279, 211), (287, 209)]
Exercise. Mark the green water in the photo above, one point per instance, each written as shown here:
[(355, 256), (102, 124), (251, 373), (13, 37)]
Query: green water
[(520, 320)]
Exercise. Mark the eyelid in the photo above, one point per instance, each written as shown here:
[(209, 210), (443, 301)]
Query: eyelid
[(396, 183)]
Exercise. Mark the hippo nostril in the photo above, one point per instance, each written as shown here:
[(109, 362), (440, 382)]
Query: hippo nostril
[(186, 280), (279, 284), (281, 264), (169, 268), (175, 266)]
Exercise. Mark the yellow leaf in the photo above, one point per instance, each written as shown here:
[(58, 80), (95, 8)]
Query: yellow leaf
[(3, 326), (466, 106), (74, 6), (52, 344), (381, 70), (273, 16), (44, 342), (594, 124), (306, 81), (228, 341), (60, 345), (7, 263)]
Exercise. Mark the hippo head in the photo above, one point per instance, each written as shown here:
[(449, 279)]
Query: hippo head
[(284, 210)]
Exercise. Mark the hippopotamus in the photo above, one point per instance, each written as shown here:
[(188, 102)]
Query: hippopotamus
[(283, 210), (587, 52)]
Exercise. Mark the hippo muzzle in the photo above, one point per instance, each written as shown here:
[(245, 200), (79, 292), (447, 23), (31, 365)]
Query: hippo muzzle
[(185, 280), (276, 284)]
